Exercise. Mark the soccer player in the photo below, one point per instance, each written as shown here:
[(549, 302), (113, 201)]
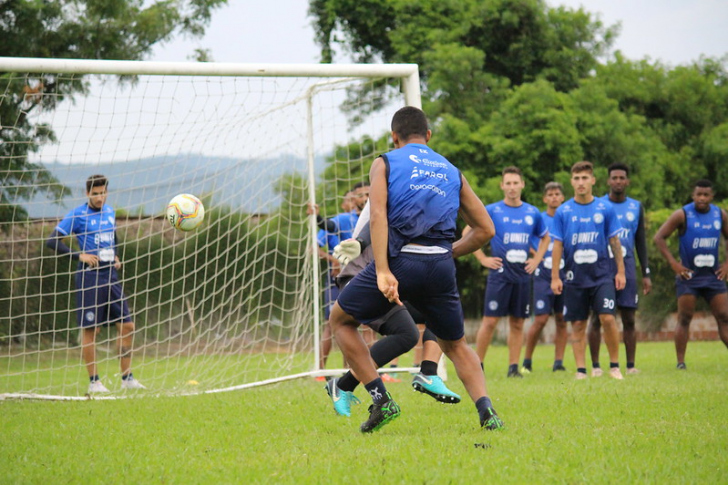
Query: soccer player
[(698, 273), (545, 302), (100, 298), (584, 228), (508, 290), (631, 215), (415, 198)]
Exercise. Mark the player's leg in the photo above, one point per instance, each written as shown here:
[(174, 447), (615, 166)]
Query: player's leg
[(594, 337), (485, 336), (532, 337), (88, 350), (604, 303), (497, 299), (560, 340), (578, 345), (420, 347), (577, 303), (327, 341), (685, 312), (629, 337), (719, 308), (427, 381), (515, 342), (89, 310), (124, 345)]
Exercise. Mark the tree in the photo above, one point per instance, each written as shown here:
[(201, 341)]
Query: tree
[(81, 29)]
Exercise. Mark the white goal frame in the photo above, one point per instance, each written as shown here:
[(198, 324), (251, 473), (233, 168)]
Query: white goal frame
[(410, 86)]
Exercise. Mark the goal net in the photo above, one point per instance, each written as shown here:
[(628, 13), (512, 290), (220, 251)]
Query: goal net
[(237, 302)]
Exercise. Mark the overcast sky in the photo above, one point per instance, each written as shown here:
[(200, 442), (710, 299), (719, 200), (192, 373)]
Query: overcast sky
[(279, 31)]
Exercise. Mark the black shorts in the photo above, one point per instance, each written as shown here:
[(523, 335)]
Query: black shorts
[(579, 301)]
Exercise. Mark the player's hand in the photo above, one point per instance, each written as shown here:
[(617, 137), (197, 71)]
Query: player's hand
[(646, 285), (347, 250), (682, 271), (722, 272), (389, 286), (312, 209), (117, 263), (335, 268), (90, 260), (492, 263), (620, 281), (531, 265), (557, 286)]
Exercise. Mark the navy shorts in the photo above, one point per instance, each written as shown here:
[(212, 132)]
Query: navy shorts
[(700, 286), (544, 300), (629, 296), (503, 298), (426, 281), (100, 299), (331, 293), (578, 302)]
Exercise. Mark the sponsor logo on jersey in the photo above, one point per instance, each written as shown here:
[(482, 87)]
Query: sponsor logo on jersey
[(598, 218)]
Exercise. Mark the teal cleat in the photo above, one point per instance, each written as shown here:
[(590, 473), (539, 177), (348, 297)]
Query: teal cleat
[(342, 399), (434, 386)]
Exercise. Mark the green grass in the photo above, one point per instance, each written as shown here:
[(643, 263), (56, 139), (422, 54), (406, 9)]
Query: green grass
[(662, 426)]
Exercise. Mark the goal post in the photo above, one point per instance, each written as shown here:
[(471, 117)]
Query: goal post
[(238, 302)]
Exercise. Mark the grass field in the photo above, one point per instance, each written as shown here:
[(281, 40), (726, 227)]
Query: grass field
[(662, 426)]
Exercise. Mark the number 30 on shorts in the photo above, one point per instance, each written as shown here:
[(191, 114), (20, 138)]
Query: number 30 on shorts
[(608, 304)]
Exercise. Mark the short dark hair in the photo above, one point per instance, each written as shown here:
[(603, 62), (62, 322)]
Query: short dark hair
[(553, 186), (512, 169), (408, 122), (96, 181), (582, 166), (703, 183), (359, 185), (618, 166)]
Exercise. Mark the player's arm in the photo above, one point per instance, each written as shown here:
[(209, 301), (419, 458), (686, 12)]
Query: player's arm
[(379, 227), (55, 242), (485, 261), (619, 279), (543, 246), (117, 261), (557, 286), (640, 245), (673, 223), (481, 227), (722, 272)]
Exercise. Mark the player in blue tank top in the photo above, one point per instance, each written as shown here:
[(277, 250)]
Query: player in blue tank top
[(631, 215), (544, 301), (700, 225), (508, 290), (100, 298), (584, 230), (415, 197)]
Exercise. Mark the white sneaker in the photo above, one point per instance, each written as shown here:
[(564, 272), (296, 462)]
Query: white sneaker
[(580, 376), (633, 370), (96, 387), (597, 372), (615, 373), (131, 383)]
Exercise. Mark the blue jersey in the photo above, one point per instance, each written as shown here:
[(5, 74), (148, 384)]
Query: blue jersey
[(544, 269), (699, 245), (515, 229), (423, 197), (628, 213), (94, 230), (585, 230), (345, 223), (327, 240)]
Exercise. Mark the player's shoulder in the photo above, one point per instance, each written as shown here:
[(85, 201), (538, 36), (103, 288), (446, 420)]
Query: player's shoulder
[(495, 207), (568, 206)]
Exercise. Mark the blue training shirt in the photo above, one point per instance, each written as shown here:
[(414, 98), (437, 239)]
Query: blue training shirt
[(515, 230), (585, 230), (544, 269), (628, 213), (423, 197), (700, 244), (94, 230), (345, 223), (327, 240)]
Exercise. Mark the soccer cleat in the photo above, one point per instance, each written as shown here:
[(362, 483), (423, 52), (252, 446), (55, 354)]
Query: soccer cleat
[(633, 371), (433, 386), (96, 387), (580, 376), (491, 421), (381, 414), (682, 366), (387, 378), (514, 373), (559, 367), (525, 370), (342, 399), (131, 383), (615, 373), (597, 372)]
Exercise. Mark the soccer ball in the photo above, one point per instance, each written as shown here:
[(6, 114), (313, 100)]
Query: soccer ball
[(185, 212)]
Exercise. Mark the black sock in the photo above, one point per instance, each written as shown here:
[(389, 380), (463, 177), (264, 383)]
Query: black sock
[(612, 365), (630, 365), (527, 363), (558, 363), (581, 370), (513, 368), (596, 365), (94, 378), (377, 390), (482, 405), (347, 382), (428, 368), (128, 376)]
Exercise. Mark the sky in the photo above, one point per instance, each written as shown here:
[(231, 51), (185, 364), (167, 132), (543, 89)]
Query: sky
[(279, 31)]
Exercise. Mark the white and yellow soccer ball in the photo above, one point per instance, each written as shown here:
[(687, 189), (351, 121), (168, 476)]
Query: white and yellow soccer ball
[(185, 212)]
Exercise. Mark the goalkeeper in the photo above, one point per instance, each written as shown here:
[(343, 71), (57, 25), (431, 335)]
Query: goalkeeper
[(396, 326)]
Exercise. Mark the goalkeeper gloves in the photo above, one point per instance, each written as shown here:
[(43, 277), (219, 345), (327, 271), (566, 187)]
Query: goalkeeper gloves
[(347, 250)]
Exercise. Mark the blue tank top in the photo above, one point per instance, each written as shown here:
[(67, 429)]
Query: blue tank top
[(544, 269), (585, 230), (628, 213), (699, 245), (515, 228), (423, 197)]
